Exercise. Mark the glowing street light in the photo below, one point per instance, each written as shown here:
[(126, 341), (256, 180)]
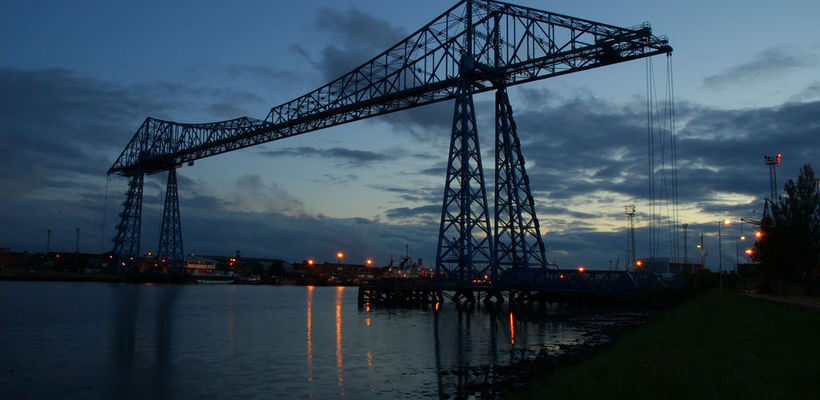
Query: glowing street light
[(340, 256), (369, 262), (310, 262)]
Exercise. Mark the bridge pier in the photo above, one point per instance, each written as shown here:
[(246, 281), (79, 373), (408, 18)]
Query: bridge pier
[(465, 243), (127, 239), (170, 250)]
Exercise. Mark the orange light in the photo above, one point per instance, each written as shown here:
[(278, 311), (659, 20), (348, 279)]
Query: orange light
[(340, 255), (639, 263), (749, 251), (369, 262), (310, 262), (581, 269), (149, 254), (758, 234), (163, 260), (58, 256), (726, 221), (562, 276), (110, 257)]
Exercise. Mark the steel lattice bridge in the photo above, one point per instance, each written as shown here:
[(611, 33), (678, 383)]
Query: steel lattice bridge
[(476, 46)]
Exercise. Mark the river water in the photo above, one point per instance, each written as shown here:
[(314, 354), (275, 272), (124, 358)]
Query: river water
[(143, 341)]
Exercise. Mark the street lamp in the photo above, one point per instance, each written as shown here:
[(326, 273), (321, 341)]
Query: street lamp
[(340, 256), (720, 253), (737, 251)]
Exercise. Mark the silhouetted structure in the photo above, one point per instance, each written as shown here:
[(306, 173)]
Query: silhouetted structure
[(475, 46)]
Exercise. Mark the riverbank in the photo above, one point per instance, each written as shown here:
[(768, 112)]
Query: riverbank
[(600, 323), (713, 346)]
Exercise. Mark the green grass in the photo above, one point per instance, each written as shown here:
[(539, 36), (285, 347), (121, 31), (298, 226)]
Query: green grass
[(714, 346)]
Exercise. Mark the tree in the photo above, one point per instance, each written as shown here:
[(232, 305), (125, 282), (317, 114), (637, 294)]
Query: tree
[(790, 246)]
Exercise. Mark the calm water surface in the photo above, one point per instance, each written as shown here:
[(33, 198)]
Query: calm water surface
[(99, 340)]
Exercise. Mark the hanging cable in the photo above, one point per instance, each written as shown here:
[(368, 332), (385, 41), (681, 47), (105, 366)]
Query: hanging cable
[(674, 149), (105, 212)]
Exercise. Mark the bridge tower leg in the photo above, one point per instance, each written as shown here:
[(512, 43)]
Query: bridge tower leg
[(518, 242), (170, 234), (465, 249), (127, 240)]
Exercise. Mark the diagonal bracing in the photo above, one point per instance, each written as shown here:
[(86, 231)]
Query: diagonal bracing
[(170, 235), (465, 242), (518, 241)]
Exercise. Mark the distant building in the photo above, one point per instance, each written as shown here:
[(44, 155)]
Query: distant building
[(195, 265), (668, 265)]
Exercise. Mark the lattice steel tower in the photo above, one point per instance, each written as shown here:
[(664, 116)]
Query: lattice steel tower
[(629, 211)]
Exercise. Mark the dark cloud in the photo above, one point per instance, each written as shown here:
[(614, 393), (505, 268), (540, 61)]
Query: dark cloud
[(416, 194), (769, 62), (439, 169), (356, 37), (585, 145), (349, 157), (811, 92), (425, 123), (56, 125), (427, 213)]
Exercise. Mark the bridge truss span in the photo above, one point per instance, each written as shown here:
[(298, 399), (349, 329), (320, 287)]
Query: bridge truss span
[(475, 46), (502, 45)]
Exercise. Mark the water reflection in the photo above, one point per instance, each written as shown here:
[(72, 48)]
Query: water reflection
[(309, 321), (471, 344), (134, 373), (339, 365)]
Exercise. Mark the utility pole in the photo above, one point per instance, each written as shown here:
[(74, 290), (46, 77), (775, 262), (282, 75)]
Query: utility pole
[(629, 211), (685, 247), (700, 246), (720, 255)]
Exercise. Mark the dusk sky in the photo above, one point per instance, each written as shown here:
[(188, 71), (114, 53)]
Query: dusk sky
[(78, 78)]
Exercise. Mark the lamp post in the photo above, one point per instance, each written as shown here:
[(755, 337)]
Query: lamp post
[(685, 249), (737, 251), (720, 254)]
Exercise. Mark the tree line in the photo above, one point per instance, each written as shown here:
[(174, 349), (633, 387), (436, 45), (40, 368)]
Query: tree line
[(789, 248)]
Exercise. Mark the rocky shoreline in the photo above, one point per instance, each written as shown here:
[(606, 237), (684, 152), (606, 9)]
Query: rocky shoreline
[(601, 328)]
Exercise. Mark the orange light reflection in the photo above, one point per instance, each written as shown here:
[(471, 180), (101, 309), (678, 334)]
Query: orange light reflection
[(309, 318), (512, 329), (339, 364)]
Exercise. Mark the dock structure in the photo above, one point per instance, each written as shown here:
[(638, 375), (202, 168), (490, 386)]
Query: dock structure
[(515, 287)]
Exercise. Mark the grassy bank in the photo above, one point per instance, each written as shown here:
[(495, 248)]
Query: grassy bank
[(714, 346)]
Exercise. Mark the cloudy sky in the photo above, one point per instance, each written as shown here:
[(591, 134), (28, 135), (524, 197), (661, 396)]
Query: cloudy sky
[(78, 78)]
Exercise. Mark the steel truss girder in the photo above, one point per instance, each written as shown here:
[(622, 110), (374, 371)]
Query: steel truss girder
[(465, 249), (127, 238), (521, 44), (170, 235), (518, 242)]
